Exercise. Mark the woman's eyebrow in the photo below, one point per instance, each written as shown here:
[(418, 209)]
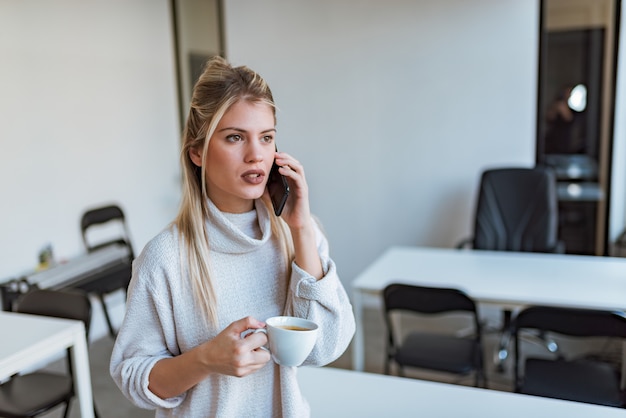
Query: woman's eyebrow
[(232, 128)]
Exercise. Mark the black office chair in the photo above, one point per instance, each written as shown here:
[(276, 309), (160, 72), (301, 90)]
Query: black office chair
[(574, 379), (517, 210), (102, 227), (433, 350), (32, 394)]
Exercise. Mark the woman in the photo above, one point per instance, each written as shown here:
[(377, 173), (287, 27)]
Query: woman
[(225, 264)]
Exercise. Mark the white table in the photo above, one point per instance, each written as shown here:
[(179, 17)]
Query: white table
[(506, 279), (29, 340), (346, 393)]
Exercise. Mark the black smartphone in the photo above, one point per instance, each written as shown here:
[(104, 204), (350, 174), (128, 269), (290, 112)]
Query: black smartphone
[(278, 189)]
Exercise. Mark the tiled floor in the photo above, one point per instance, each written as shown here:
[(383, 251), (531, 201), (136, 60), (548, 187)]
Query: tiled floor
[(112, 404)]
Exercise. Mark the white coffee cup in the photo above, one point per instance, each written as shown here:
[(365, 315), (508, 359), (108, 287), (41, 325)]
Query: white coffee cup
[(290, 339)]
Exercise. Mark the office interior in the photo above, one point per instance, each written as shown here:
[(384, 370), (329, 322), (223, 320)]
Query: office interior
[(394, 108)]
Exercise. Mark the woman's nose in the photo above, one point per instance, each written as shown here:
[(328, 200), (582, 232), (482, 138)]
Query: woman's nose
[(254, 153)]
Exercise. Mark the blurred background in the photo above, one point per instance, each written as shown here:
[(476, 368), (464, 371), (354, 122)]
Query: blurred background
[(394, 108)]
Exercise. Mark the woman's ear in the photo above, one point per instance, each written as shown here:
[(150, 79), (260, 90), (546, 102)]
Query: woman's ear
[(195, 154)]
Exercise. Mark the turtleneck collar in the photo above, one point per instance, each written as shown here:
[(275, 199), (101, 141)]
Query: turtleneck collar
[(228, 237)]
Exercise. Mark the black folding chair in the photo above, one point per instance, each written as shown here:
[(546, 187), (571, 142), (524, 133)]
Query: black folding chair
[(110, 223), (575, 379), (426, 349)]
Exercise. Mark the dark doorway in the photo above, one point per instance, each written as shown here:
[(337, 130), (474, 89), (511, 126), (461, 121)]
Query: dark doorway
[(578, 45)]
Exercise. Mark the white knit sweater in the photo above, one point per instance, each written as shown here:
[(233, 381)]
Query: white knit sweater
[(249, 278)]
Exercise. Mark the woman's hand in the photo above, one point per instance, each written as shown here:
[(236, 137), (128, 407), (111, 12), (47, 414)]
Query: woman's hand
[(227, 353), (232, 355), (296, 212), (297, 215)]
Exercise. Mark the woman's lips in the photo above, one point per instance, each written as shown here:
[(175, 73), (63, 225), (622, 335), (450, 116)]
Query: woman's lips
[(253, 176)]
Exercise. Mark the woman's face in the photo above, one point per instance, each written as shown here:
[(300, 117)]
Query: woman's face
[(240, 156)]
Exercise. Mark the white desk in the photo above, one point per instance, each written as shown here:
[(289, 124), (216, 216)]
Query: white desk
[(31, 339), (345, 393), (510, 280)]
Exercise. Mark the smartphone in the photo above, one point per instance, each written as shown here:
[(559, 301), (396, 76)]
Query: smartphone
[(278, 189)]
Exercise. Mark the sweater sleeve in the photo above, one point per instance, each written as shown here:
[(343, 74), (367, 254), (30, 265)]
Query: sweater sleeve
[(145, 336), (324, 302)]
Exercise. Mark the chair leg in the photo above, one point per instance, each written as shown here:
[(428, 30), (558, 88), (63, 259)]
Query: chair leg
[(541, 338), (66, 413), (481, 378), (480, 375), (502, 351), (400, 370), (483, 374), (112, 331)]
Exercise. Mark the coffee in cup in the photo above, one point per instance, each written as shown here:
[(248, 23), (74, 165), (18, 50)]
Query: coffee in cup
[(293, 328)]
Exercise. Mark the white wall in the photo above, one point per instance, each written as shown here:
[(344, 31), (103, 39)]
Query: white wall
[(88, 115), (88, 110), (394, 107)]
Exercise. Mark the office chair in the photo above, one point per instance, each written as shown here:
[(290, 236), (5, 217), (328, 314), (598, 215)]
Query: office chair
[(32, 394), (582, 379), (436, 351), (94, 223), (517, 210)]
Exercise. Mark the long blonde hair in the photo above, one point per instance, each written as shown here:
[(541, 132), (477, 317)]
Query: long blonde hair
[(219, 87)]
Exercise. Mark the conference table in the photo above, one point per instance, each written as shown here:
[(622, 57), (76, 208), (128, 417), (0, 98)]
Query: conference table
[(31, 340), (346, 393), (510, 280)]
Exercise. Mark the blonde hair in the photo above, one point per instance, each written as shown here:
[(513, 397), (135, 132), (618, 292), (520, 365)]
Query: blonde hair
[(219, 87)]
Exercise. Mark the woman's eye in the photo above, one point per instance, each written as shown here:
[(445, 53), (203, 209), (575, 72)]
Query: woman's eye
[(234, 138), (268, 138)]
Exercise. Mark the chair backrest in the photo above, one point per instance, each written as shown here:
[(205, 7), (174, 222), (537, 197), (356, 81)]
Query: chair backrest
[(517, 210), (572, 322), (68, 304), (99, 218), (426, 300)]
